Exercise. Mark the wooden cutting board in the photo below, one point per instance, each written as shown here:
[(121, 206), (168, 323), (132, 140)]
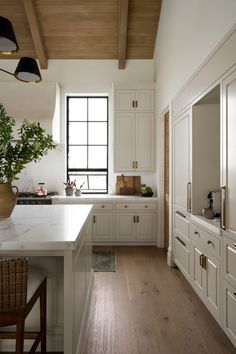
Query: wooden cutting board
[(128, 185)]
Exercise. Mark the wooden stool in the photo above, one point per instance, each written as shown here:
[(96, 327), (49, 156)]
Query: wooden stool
[(19, 291)]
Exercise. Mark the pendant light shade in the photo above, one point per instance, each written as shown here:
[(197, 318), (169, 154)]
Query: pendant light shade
[(27, 70), (8, 42)]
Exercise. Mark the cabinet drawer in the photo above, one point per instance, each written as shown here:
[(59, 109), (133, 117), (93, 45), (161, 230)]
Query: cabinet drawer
[(229, 311), (136, 206), (229, 260), (181, 224), (102, 206), (181, 255), (207, 239)]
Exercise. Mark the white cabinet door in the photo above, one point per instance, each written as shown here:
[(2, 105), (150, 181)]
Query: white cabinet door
[(181, 156), (212, 286), (197, 271), (138, 100), (229, 311), (229, 150), (145, 100), (124, 142), (144, 141), (125, 227), (103, 227), (146, 227)]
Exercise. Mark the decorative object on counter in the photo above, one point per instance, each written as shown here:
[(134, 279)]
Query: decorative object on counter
[(214, 205), (70, 188), (128, 185), (104, 259), (27, 69), (32, 144), (78, 190), (146, 191), (41, 191)]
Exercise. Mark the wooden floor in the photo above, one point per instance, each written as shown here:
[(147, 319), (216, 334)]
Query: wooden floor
[(147, 308)]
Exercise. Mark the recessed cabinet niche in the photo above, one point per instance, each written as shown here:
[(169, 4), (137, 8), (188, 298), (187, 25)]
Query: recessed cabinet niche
[(196, 153), (134, 128)]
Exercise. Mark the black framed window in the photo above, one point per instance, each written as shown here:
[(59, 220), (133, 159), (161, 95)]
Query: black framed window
[(87, 142)]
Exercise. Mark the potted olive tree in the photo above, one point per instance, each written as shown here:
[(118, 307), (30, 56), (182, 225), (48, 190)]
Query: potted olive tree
[(31, 144)]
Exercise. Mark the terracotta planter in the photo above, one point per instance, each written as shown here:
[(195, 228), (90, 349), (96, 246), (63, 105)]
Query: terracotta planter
[(8, 196)]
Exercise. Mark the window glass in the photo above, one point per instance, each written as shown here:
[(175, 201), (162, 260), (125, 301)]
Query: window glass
[(87, 142)]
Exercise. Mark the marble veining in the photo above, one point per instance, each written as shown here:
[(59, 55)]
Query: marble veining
[(43, 227)]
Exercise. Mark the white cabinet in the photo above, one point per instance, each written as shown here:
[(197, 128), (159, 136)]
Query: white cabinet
[(120, 221), (136, 100), (228, 155), (134, 130), (103, 226), (135, 226), (136, 222), (206, 268), (181, 243), (229, 288), (181, 162)]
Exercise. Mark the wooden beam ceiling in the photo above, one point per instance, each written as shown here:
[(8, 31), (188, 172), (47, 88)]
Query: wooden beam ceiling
[(36, 33), (123, 26)]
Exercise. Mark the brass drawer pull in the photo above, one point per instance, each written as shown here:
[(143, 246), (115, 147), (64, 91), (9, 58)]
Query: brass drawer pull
[(126, 206), (210, 243), (234, 245), (102, 206), (94, 219), (197, 233), (234, 294), (146, 206)]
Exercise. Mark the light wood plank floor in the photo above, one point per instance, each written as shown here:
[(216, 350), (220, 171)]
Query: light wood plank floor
[(147, 308)]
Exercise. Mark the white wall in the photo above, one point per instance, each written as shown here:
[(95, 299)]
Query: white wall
[(188, 32), (79, 76)]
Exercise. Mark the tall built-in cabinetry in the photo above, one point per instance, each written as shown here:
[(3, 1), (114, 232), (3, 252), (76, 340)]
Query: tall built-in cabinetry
[(228, 205), (203, 160), (134, 115)]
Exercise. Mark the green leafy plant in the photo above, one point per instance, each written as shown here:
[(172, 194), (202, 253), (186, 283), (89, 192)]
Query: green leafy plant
[(31, 144)]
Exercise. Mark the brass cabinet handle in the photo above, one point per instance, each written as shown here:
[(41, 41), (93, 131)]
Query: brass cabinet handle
[(197, 233), (146, 206), (102, 206), (182, 242), (126, 206), (133, 164), (234, 245), (133, 105), (180, 214), (94, 219), (136, 164), (200, 259), (203, 261), (137, 218), (189, 197), (209, 242), (234, 294), (136, 104), (222, 207)]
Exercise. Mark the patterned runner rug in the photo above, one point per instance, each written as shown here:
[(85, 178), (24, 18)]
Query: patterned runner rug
[(104, 259)]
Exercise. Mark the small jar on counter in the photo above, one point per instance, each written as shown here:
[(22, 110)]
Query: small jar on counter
[(41, 191)]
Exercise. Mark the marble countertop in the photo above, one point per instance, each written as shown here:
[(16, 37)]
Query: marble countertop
[(102, 197), (43, 227)]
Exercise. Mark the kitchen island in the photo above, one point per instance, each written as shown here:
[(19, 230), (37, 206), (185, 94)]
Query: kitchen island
[(58, 238)]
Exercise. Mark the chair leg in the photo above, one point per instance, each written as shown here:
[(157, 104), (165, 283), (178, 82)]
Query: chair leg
[(20, 327), (43, 316)]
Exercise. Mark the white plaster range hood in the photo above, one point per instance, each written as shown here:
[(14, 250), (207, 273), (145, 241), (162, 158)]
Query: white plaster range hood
[(35, 102)]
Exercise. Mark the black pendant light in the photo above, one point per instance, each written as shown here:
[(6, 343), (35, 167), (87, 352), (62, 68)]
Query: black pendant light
[(27, 69), (8, 42)]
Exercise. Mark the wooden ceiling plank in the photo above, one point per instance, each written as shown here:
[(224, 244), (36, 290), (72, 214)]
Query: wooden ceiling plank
[(36, 34), (123, 27)]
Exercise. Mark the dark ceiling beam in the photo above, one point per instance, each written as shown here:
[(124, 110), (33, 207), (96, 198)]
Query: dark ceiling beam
[(36, 34), (123, 27)]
